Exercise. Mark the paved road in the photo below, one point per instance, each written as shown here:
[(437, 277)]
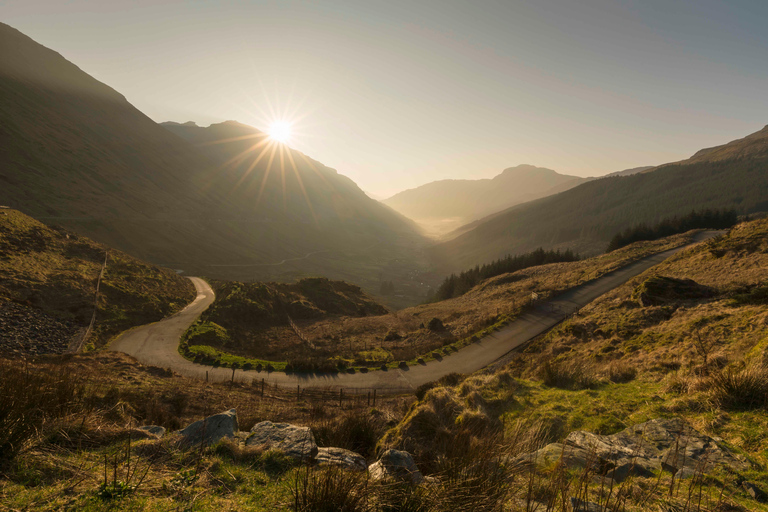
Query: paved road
[(157, 344)]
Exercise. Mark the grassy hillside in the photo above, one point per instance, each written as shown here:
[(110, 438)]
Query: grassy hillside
[(687, 339), (48, 281), (255, 319), (247, 321), (586, 217), (442, 206), (76, 153)]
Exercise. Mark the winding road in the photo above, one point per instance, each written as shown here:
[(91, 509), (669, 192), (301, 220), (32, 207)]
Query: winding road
[(157, 344)]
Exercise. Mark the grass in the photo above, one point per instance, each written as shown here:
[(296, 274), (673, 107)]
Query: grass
[(53, 272), (251, 330)]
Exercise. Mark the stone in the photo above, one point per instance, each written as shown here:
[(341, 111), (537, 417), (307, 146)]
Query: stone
[(754, 491), (211, 430), (155, 430), (341, 457), (641, 450), (397, 465), (294, 441)]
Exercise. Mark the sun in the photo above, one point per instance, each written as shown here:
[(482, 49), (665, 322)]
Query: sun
[(280, 131)]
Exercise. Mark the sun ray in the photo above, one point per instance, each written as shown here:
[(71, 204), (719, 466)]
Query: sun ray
[(266, 173), (301, 186)]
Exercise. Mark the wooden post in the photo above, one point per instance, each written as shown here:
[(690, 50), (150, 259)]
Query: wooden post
[(262, 387), (374, 398), (369, 398), (206, 375), (298, 392), (341, 396)]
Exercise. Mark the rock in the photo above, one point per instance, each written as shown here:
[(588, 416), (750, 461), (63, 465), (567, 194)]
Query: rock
[(641, 450), (341, 457), (294, 441), (754, 491), (398, 465), (155, 430), (684, 473), (211, 430)]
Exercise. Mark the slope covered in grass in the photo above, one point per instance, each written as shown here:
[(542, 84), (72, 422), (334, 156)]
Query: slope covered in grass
[(50, 274), (697, 351)]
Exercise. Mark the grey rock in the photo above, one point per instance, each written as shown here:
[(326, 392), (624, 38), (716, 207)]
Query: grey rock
[(155, 430), (640, 450), (341, 457), (211, 429), (294, 441), (754, 491), (397, 465)]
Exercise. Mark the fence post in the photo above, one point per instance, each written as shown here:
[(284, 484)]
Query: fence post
[(262, 387), (374, 398), (298, 392), (341, 396), (206, 375), (369, 398)]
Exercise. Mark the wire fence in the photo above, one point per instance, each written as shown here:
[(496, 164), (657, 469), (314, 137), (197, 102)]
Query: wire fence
[(78, 346)]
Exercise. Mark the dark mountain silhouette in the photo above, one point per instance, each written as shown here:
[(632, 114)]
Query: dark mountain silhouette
[(74, 152), (441, 206), (585, 218)]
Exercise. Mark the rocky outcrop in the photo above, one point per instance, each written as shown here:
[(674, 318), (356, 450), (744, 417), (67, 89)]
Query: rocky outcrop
[(154, 430), (211, 429), (661, 290), (662, 444), (27, 330), (294, 441), (396, 465), (341, 457)]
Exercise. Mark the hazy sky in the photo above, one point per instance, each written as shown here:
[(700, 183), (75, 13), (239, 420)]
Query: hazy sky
[(396, 93)]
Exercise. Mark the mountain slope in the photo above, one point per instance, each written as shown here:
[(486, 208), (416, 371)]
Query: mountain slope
[(75, 152), (444, 205), (584, 218)]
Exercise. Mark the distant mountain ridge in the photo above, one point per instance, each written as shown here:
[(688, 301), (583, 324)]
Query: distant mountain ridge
[(444, 205), (584, 218), (74, 152)]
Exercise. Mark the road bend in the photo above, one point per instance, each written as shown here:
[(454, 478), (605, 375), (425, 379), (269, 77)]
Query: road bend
[(157, 344)]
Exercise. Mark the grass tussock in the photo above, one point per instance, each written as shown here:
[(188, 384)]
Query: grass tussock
[(569, 374), (29, 400), (740, 389)]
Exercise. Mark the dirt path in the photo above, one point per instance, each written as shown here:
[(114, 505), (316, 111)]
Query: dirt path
[(157, 344)]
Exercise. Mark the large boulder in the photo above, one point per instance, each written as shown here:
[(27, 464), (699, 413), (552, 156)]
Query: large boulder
[(211, 429), (341, 457), (294, 441), (642, 450), (396, 465)]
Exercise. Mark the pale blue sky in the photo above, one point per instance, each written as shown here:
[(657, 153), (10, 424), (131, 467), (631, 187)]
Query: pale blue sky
[(399, 93)]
